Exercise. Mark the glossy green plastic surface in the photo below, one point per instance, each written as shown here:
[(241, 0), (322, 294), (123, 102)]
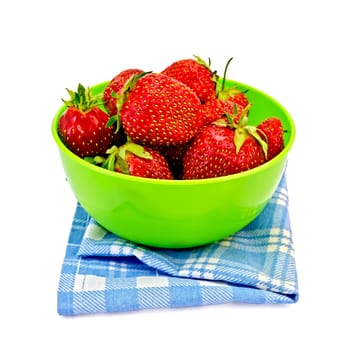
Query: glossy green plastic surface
[(178, 213)]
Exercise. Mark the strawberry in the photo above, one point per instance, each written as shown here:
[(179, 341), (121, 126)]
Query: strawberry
[(215, 109), (160, 111), (135, 160), (82, 127), (196, 74), (238, 97), (211, 154), (272, 130), (219, 150), (115, 87)]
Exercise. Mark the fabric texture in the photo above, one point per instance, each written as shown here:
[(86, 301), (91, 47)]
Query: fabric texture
[(104, 273)]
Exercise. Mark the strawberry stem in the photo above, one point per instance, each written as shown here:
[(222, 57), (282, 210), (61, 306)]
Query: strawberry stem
[(222, 93), (225, 72)]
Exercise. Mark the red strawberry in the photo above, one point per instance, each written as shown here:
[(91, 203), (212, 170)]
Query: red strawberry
[(196, 74), (272, 130), (115, 87), (160, 111), (238, 97), (218, 151), (212, 154), (82, 127), (135, 160), (215, 109)]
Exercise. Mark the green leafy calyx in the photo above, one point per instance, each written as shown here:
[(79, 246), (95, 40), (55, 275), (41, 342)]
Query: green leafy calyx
[(82, 99)]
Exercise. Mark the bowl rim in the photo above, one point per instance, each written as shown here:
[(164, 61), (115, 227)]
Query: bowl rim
[(62, 147)]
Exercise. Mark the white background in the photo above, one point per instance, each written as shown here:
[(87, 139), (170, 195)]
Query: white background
[(296, 51)]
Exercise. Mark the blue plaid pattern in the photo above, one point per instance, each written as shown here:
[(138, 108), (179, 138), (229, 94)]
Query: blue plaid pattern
[(104, 273)]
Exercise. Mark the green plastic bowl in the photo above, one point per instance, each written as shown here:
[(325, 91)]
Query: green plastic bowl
[(178, 213)]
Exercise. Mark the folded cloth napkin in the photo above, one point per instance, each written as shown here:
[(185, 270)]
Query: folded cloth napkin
[(104, 273)]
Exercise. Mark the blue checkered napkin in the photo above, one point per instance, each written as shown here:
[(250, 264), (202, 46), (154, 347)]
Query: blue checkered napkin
[(104, 273)]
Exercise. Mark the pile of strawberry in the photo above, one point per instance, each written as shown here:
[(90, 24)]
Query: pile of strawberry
[(180, 123)]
